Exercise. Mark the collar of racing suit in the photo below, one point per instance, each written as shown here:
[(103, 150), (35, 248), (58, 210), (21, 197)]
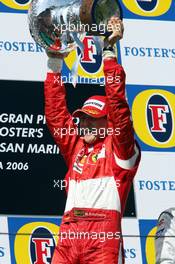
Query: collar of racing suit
[(95, 146)]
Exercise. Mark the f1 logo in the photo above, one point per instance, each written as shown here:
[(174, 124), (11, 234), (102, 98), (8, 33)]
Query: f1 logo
[(89, 50), (158, 113), (42, 247)]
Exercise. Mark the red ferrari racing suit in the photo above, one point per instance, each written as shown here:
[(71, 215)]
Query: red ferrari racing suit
[(99, 175)]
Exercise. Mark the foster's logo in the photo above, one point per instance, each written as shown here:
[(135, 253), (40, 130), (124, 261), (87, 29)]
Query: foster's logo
[(35, 242), (147, 5), (90, 60), (41, 246), (159, 118), (148, 8), (17, 4), (153, 113)]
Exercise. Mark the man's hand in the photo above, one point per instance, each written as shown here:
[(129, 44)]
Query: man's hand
[(55, 60), (116, 26), (56, 54)]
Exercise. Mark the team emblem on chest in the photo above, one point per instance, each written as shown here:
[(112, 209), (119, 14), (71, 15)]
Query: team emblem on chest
[(89, 158)]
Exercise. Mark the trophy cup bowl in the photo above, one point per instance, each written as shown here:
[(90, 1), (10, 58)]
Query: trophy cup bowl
[(60, 25)]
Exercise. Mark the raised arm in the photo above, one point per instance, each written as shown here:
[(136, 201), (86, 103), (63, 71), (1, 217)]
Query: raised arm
[(119, 113), (59, 120)]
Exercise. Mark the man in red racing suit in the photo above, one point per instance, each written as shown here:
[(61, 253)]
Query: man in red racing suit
[(100, 168)]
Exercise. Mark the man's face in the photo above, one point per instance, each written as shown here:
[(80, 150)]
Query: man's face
[(92, 128)]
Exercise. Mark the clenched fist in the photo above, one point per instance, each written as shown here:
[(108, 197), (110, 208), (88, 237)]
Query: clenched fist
[(115, 25)]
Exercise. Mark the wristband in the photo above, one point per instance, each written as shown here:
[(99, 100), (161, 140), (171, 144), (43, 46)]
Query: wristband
[(108, 48), (108, 53)]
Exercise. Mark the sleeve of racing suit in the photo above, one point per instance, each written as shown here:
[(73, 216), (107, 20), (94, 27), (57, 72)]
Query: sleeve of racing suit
[(165, 238), (125, 150), (59, 120)]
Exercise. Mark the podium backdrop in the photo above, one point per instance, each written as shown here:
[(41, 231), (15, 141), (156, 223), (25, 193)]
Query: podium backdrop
[(32, 191)]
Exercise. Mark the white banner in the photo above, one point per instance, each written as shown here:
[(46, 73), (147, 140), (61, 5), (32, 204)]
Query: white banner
[(4, 242), (132, 249), (21, 57), (154, 184), (148, 52)]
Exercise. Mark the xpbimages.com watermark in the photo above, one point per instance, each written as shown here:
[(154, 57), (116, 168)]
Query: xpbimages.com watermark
[(72, 131), (101, 236), (61, 79), (80, 27), (63, 184)]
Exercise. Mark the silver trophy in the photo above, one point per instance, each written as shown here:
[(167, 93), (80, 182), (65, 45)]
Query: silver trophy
[(60, 25)]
